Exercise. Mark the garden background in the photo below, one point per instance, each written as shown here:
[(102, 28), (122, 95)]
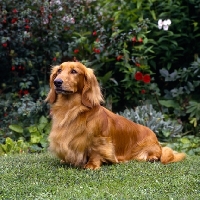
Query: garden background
[(148, 74)]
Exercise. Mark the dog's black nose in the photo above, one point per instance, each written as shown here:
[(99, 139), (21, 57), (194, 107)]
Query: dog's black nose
[(58, 82)]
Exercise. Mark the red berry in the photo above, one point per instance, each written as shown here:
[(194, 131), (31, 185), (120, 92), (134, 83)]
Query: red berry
[(13, 20), (140, 40), (15, 10), (138, 76), (27, 21), (5, 44), (134, 39), (26, 92), (94, 33), (146, 78), (27, 27), (137, 64), (76, 50), (97, 51), (119, 57)]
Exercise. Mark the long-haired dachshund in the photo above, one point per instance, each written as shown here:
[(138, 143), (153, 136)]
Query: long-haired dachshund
[(85, 134)]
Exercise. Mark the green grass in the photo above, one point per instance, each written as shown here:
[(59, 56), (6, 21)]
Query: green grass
[(41, 176)]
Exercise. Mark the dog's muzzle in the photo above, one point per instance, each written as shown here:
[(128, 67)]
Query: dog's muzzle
[(58, 82), (58, 86)]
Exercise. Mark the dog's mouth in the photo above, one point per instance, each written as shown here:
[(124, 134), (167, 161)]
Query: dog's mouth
[(61, 91)]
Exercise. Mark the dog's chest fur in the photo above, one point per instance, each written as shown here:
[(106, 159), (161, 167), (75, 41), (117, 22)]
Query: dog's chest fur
[(68, 139)]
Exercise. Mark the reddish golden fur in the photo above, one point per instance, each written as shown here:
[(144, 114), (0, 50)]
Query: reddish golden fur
[(85, 134)]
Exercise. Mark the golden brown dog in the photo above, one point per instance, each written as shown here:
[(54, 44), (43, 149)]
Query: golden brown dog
[(85, 134)]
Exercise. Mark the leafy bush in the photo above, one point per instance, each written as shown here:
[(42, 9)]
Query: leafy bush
[(12, 147), (171, 47), (133, 59), (156, 121), (170, 58), (89, 32), (182, 98), (189, 144), (23, 120)]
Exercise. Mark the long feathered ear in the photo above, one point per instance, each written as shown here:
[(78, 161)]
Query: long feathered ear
[(91, 94), (51, 97)]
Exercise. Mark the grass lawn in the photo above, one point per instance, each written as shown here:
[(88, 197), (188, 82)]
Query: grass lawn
[(41, 176)]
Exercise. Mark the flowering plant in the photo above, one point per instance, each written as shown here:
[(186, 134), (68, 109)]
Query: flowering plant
[(164, 24)]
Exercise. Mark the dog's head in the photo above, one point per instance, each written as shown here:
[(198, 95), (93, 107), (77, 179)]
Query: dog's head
[(73, 77)]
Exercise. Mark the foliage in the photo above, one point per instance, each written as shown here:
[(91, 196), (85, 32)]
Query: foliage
[(35, 135), (39, 176), (171, 47), (179, 79), (12, 147), (132, 58), (188, 144), (156, 121), (182, 99), (23, 120), (89, 32)]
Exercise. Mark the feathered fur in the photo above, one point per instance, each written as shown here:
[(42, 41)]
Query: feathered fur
[(85, 134)]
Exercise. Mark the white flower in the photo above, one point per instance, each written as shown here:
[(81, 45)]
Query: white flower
[(26, 34), (68, 19), (57, 3), (160, 23), (72, 20), (45, 20), (168, 21), (165, 27), (164, 24)]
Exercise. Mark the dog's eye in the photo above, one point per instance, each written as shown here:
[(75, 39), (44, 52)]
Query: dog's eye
[(73, 71), (59, 71)]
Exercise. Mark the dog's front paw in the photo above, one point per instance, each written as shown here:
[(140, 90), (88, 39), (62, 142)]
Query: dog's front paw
[(91, 166), (152, 159), (62, 162)]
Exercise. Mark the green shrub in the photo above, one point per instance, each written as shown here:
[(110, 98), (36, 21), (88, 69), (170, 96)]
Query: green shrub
[(13, 147), (182, 98), (164, 128), (120, 40), (23, 119), (188, 144)]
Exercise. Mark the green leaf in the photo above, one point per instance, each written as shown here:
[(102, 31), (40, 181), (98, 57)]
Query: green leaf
[(16, 128), (185, 140), (43, 120), (35, 139), (32, 129), (106, 77), (153, 14), (164, 72), (166, 133), (139, 3), (169, 103)]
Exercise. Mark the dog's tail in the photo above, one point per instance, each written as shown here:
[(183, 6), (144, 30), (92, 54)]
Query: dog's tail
[(169, 156)]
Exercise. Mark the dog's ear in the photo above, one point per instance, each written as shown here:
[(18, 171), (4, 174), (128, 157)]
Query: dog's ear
[(51, 97), (91, 94)]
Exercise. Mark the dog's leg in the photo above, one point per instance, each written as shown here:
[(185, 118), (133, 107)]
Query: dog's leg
[(103, 151), (94, 162)]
